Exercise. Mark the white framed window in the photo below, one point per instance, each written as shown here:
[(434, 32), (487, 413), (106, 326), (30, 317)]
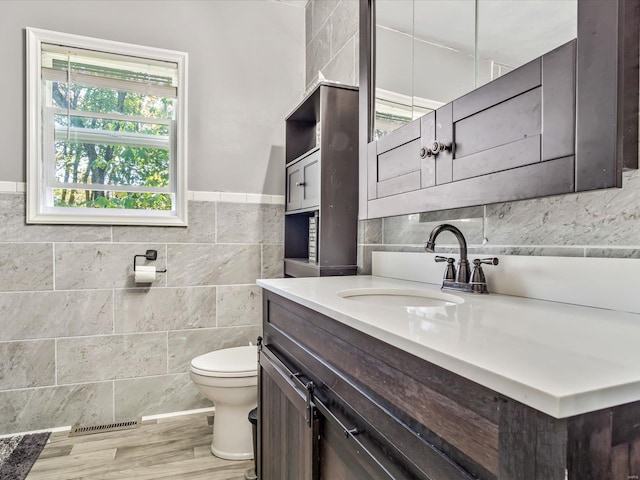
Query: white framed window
[(107, 132)]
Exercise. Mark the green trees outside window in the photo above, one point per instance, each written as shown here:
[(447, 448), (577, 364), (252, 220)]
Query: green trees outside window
[(133, 151)]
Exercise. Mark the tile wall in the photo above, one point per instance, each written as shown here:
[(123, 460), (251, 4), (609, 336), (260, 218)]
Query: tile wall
[(80, 342), (593, 224), (332, 41)]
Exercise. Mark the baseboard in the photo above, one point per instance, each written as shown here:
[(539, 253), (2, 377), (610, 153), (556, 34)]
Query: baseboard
[(67, 428), (178, 414)]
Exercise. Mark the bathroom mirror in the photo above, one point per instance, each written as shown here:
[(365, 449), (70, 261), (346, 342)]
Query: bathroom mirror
[(430, 52), (564, 121)]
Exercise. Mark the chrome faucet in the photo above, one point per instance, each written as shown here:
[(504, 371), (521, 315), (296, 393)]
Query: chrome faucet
[(460, 279)]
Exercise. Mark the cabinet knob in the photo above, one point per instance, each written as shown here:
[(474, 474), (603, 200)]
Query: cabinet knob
[(299, 184), (425, 152), (439, 146)]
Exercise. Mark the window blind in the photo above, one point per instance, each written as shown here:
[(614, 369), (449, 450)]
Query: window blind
[(105, 70)]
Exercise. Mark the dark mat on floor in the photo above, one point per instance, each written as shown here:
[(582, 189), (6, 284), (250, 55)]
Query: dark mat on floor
[(19, 453)]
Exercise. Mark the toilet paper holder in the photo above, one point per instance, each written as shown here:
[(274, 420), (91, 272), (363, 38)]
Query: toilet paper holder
[(149, 255)]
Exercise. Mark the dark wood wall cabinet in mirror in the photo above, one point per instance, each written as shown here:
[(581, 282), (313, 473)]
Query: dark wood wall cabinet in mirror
[(565, 122)]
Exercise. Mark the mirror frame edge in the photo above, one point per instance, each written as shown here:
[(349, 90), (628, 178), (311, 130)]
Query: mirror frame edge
[(598, 36), (366, 97)]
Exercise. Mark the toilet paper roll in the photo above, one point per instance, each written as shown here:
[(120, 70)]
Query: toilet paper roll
[(145, 274)]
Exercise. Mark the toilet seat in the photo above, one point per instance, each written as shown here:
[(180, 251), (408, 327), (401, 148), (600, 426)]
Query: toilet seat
[(227, 363)]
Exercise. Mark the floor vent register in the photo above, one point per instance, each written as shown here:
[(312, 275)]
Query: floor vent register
[(79, 429)]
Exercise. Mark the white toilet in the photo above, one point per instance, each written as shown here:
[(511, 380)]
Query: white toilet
[(229, 378)]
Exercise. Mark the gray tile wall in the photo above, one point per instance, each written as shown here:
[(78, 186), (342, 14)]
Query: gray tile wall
[(332, 41), (80, 342), (592, 224)]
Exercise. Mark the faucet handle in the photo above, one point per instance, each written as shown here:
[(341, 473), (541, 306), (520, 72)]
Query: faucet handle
[(486, 261), (450, 271), (478, 280)]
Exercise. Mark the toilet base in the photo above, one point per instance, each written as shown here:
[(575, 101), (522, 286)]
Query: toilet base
[(231, 456), (232, 435)]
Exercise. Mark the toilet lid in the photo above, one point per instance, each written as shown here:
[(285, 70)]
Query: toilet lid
[(228, 362)]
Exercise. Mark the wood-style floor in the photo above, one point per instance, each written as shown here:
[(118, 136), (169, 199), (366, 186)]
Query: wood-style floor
[(173, 448)]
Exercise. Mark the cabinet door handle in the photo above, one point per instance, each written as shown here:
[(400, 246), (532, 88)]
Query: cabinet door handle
[(439, 147), (425, 152), (351, 433), (290, 381), (299, 184)]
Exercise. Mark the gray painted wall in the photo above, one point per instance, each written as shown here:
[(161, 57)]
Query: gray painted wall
[(601, 223), (246, 64)]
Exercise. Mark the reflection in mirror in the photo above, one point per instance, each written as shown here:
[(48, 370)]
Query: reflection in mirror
[(394, 65), (512, 33), (430, 52), (444, 51)]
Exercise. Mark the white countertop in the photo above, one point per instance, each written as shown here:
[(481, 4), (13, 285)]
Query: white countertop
[(558, 358)]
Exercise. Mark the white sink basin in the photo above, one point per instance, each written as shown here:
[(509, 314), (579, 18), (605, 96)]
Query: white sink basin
[(399, 297)]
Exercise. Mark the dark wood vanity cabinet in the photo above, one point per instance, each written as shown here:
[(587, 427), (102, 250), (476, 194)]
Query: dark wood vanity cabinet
[(337, 404), (510, 139)]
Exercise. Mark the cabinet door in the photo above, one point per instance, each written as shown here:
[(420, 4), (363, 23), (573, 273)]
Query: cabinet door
[(294, 192), (523, 118), (311, 180), (345, 454), (288, 424), (303, 182), (398, 162), (394, 162)]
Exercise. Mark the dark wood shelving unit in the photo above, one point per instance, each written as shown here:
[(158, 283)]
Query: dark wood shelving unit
[(322, 181)]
